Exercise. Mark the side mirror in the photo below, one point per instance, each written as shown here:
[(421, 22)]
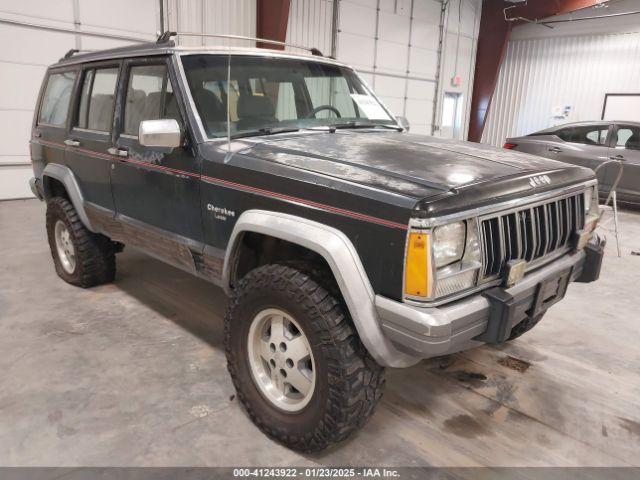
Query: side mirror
[(403, 122), (160, 133)]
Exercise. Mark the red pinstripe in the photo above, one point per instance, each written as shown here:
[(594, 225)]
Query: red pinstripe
[(237, 186)]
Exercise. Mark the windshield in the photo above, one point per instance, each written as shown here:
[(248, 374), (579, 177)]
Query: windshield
[(270, 95)]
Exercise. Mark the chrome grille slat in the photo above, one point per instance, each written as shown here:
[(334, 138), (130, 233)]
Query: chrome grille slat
[(530, 233)]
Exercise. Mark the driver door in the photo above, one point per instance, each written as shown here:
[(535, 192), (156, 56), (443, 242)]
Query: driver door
[(156, 192)]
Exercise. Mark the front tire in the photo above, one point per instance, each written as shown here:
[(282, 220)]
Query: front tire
[(81, 257), (296, 361)]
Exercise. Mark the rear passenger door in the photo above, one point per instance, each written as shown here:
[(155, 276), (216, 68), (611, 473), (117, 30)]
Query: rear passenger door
[(625, 146), (51, 124), (584, 145), (156, 193), (89, 138)]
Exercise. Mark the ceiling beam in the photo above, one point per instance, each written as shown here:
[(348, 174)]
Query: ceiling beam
[(271, 22)]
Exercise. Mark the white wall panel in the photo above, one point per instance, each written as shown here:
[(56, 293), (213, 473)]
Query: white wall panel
[(46, 11), (427, 11), (540, 74), (392, 57), (35, 47), (420, 90), (357, 51), (399, 7), (23, 63), (310, 24), (19, 86), (388, 86), (358, 19), (14, 182), (393, 27), (401, 41), (122, 16), (15, 126), (232, 17), (424, 34), (423, 62)]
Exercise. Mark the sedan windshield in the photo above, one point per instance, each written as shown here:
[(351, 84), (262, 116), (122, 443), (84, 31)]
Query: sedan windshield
[(269, 95)]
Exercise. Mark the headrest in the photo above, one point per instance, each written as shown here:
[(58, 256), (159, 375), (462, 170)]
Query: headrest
[(137, 96), (255, 106)]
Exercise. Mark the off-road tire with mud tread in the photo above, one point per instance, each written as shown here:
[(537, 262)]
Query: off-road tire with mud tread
[(349, 382), (95, 253)]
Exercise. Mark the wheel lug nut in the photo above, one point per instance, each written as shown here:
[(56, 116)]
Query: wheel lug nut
[(272, 347), (272, 362), (283, 347), (283, 373), (289, 363)]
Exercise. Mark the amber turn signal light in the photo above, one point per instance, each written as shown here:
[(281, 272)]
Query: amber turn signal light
[(417, 282)]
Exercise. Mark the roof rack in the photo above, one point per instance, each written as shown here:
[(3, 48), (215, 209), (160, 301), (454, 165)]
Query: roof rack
[(73, 51), (166, 37)]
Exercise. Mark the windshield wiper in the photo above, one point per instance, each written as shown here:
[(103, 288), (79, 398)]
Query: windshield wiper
[(265, 131), (366, 125)]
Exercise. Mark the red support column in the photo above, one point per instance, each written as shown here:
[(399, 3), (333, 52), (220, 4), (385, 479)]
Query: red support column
[(492, 43), (271, 22)]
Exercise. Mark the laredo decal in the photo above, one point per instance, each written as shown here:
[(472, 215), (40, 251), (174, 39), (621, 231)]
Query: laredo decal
[(220, 213)]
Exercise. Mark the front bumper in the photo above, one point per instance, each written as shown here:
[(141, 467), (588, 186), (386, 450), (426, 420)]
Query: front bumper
[(486, 317)]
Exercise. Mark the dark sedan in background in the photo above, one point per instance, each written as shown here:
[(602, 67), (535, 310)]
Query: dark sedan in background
[(590, 144)]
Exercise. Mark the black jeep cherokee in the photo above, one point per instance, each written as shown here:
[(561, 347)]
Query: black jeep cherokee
[(345, 243)]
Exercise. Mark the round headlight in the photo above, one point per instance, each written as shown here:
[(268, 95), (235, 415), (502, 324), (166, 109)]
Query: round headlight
[(448, 243)]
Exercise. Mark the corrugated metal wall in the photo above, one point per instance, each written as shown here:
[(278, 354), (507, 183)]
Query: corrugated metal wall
[(541, 74), (28, 51), (310, 23), (234, 17)]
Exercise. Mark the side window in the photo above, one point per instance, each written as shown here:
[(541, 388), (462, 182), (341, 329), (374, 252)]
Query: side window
[(149, 97), (591, 135), (55, 102), (628, 138), (565, 134), (97, 98)]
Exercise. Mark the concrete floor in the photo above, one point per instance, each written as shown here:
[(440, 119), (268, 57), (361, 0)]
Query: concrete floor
[(133, 373)]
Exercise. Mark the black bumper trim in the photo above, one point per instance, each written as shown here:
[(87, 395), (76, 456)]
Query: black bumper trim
[(593, 261)]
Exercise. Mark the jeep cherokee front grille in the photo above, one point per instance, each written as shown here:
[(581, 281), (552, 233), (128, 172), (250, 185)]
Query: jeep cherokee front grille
[(530, 233)]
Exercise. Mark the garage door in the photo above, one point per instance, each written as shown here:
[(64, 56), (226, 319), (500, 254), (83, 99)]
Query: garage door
[(394, 45), (24, 65)]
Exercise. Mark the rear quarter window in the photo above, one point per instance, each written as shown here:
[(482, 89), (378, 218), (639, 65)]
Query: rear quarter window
[(589, 135), (57, 96)]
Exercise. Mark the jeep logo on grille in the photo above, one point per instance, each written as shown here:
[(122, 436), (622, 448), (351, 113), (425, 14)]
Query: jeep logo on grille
[(540, 180)]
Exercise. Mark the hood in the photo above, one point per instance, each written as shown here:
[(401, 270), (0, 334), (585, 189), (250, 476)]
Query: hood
[(418, 166)]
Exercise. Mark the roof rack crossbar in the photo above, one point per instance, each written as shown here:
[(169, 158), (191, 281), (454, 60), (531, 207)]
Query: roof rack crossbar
[(166, 36)]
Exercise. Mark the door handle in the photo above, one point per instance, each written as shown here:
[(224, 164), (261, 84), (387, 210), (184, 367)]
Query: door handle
[(71, 143), (555, 150), (617, 157), (118, 152)]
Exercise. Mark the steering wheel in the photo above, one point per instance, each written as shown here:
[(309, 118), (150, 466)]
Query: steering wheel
[(313, 112)]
